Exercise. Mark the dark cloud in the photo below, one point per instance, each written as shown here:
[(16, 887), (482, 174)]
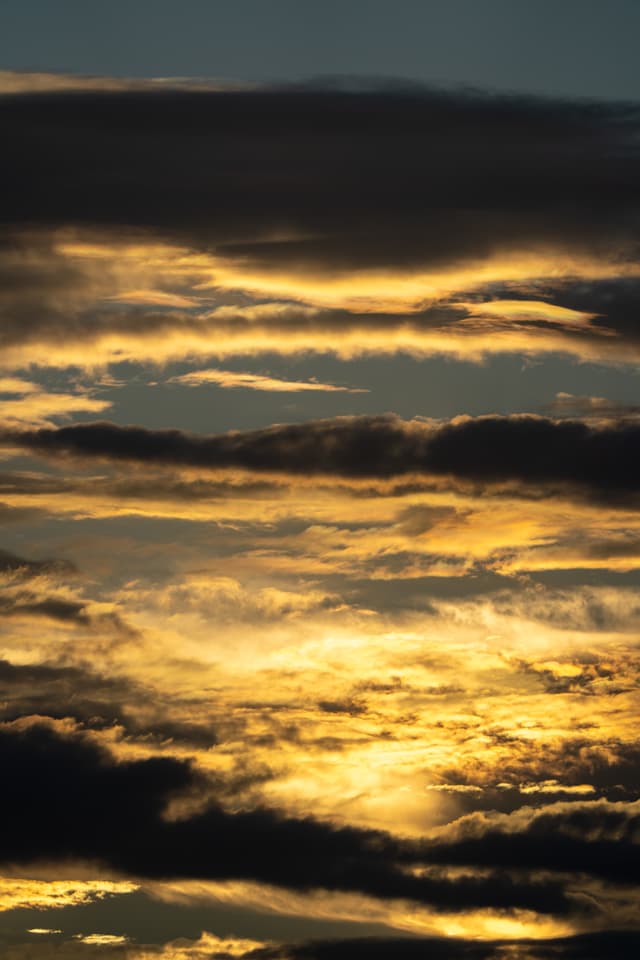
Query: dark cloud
[(77, 613), (613, 945), (590, 838), (35, 599), (96, 701), (16, 483), (615, 301), (40, 290), (579, 576), (521, 449), (316, 181), (30, 591), (612, 767), (380, 178), (381, 948), (53, 608), (65, 798), (164, 486), (573, 771), (11, 562), (537, 450)]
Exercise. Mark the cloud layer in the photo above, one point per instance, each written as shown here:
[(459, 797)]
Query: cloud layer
[(530, 450), (269, 665), (419, 177)]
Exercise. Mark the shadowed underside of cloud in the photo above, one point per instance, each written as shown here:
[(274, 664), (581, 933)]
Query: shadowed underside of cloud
[(95, 700), (617, 945), (51, 295), (612, 946), (65, 798), (328, 179), (291, 193), (29, 590), (596, 838), (525, 449), (54, 608), (25, 569)]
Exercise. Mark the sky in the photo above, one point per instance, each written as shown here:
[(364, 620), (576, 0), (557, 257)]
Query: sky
[(581, 48), (319, 480)]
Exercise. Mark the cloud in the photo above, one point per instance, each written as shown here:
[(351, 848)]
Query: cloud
[(596, 838), (64, 609), (11, 562), (144, 231), (37, 588), (98, 702), (234, 380), (141, 298), (614, 945), (225, 601), (346, 624), (324, 161), (67, 798), (588, 406), (32, 893), (380, 948), (571, 769), (40, 82), (147, 491), (55, 608), (40, 408), (17, 386), (491, 450), (25, 403)]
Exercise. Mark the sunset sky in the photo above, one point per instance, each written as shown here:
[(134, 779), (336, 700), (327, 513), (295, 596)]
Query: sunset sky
[(319, 480)]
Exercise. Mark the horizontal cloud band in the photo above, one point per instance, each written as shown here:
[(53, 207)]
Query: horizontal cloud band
[(327, 179), (491, 449), (66, 797)]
